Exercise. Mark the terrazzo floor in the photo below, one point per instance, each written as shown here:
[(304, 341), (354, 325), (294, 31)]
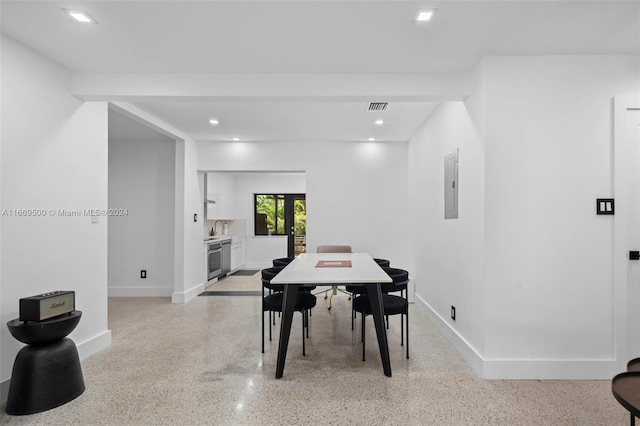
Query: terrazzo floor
[(200, 364)]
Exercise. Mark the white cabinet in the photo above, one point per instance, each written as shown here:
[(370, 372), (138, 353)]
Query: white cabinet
[(211, 206), (237, 252), (220, 196)]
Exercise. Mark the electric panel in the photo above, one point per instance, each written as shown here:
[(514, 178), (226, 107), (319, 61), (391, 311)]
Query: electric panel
[(451, 185)]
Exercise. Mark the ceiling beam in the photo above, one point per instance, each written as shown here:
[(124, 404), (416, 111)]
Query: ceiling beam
[(418, 87)]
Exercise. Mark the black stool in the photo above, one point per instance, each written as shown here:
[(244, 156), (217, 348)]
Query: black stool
[(46, 372)]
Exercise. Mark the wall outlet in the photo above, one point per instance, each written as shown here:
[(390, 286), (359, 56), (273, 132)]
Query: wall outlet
[(453, 312), (143, 273)]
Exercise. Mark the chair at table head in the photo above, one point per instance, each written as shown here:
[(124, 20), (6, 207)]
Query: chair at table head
[(334, 249), (334, 289)]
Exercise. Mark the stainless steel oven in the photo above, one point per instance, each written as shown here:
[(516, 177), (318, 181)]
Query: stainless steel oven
[(214, 255)]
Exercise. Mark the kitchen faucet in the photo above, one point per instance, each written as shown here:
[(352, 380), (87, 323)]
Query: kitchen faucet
[(214, 226)]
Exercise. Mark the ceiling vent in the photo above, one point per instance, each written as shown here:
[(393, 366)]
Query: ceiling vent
[(378, 106)]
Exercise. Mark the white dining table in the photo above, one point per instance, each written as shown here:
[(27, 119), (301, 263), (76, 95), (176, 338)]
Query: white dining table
[(305, 269)]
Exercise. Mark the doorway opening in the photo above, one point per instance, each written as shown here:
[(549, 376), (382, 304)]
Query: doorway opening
[(282, 214), (626, 227)]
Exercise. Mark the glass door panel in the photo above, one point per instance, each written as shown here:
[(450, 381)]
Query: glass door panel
[(299, 225)]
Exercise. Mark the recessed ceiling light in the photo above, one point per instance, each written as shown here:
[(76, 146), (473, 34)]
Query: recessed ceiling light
[(79, 15), (379, 122), (214, 122), (235, 139), (372, 139), (425, 15)]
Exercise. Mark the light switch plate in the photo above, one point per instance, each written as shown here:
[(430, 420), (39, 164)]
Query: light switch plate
[(605, 206)]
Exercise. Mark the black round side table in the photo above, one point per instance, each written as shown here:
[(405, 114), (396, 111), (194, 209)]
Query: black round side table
[(46, 372), (625, 388)]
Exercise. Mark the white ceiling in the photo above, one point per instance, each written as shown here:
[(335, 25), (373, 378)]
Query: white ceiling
[(293, 121), (122, 128), (353, 36)]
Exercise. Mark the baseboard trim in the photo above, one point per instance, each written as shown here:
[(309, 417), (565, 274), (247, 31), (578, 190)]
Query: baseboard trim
[(94, 345), (520, 369), (257, 265), (4, 391), (551, 369), (468, 352), (140, 291), (187, 295)]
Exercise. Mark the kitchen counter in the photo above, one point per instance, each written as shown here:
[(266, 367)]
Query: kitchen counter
[(233, 238), (217, 238)]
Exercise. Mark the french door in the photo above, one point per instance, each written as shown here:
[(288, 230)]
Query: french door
[(296, 223), (283, 214)]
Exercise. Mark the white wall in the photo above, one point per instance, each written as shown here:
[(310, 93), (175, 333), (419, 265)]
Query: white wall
[(142, 181), (543, 156), (449, 254), (54, 156), (188, 250), (248, 184), (261, 250), (626, 179), (549, 156), (356, 192), (188, 278)]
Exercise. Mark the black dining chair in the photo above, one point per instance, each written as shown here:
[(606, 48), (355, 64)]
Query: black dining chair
[(272, 303), (392, 304), (283, 261), (383, 263), (358, 289)]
